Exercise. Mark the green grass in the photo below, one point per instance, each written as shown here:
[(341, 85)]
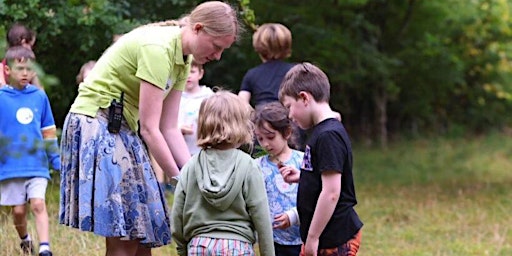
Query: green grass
[(421, 197), (436, 197)]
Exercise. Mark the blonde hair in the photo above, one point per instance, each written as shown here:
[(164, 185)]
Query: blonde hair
[(272, 41), (180, 22), (308, 78), (218, 19), (86, 66), (224, 121)]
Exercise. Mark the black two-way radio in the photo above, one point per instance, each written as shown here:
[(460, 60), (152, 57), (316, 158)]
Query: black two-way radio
[(115, 115)]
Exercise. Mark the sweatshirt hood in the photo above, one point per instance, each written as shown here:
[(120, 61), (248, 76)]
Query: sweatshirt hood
[(11, 91), (217, 176)]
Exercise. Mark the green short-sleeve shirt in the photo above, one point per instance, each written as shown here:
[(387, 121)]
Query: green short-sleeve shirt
[(152, 53)]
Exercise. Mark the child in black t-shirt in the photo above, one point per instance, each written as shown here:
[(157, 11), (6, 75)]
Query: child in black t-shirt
[(326, 195)]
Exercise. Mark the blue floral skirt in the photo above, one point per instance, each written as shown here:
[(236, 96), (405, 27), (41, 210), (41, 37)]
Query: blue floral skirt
[(108, 185)]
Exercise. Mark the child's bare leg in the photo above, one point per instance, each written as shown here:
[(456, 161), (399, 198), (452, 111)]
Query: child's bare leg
[(143, 251), (41, 216), (118, 247), (19, 214)]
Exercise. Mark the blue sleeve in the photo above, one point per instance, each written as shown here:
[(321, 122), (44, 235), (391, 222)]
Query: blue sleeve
[(52, 152), (51, 144), (246, 82), (47, 115)]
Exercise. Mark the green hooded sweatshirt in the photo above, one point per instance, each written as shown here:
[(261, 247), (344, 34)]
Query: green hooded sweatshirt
[(221, 194)]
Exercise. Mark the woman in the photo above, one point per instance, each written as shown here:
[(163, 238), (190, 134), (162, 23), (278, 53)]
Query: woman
[(107, 183)]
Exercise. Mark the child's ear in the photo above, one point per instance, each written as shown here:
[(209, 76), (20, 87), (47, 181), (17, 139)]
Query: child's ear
[(201, 73), (304, 96), (288, 133), (7, 71)]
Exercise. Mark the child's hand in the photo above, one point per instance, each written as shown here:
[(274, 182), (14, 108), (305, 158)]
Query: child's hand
[(281, 221), (290, 174), (311, 246), (187, 129)]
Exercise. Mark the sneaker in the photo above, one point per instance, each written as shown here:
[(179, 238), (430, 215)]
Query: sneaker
[(27, 247), (45, 253)]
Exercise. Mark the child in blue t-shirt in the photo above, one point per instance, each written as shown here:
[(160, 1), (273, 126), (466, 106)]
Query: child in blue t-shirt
[(28, 128), (273, 129)]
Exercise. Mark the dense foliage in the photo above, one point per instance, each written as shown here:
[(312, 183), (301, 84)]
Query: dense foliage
[(396, 67)]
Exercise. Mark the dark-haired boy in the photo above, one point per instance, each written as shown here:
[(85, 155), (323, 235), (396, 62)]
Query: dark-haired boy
[(326, 197)]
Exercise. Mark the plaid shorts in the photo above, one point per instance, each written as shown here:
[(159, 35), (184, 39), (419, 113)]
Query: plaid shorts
[(203, 246), (349, 248)]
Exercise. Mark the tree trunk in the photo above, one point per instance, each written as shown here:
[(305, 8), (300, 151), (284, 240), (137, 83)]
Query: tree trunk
[(381, 102)]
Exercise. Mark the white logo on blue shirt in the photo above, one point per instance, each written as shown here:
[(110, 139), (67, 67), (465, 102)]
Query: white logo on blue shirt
[(24, 115)]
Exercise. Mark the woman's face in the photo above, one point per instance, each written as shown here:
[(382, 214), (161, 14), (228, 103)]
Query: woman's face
[(206, 48)]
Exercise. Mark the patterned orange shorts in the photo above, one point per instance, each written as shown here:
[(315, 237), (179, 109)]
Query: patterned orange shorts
[(349, 248)]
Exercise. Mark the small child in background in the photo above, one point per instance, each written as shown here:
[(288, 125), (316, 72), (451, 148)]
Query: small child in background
[(84, 71), (190, 102), (19, 35), (219, 202), (329, 225), (27, 124), (273, 43), (274, 130)]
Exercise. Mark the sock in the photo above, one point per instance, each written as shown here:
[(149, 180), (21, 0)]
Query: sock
[(44, 247), (26, 238)]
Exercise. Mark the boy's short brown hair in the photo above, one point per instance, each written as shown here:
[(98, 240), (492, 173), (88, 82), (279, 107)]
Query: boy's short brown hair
[(18, 53), (272, 41), (308, 78)]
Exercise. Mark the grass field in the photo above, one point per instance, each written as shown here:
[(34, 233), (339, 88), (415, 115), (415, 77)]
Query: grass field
[(421, 197)]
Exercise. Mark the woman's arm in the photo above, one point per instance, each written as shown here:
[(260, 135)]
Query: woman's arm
[(169, 126), (151, 103)]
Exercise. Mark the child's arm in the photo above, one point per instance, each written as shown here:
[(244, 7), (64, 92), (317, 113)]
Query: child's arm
[(331, 187), (287, 219), (35, 81), (293, 215), (177, 219), (49, 132), (187, 129), (51, 146), (257, 206), (245, 96)]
